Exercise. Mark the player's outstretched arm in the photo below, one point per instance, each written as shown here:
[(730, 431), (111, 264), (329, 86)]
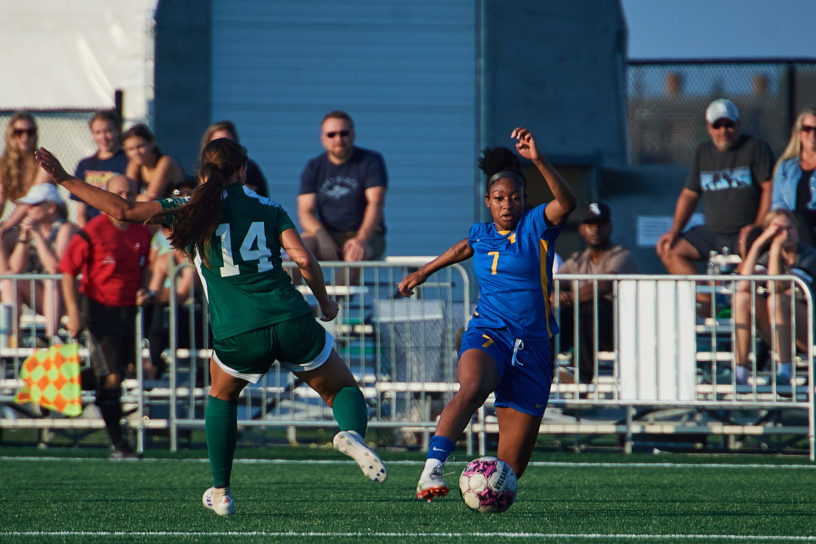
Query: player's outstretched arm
[(109, 203), (565, 200), (456, 253)]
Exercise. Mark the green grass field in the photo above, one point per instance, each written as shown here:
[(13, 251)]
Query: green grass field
[(302, 495)]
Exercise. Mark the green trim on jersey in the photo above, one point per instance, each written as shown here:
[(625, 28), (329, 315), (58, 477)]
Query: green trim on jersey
[(246, 285)]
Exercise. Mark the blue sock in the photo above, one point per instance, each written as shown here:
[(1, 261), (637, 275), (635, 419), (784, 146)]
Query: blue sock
[(440, 448)]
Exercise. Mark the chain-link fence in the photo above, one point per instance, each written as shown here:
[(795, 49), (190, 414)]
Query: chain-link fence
[(667, 102), (65, 132)]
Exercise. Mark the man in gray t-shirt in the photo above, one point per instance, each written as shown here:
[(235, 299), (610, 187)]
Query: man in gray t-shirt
[(600, 257), (733, 173)]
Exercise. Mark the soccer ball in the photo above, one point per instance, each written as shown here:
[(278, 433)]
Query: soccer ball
[(488, 485)]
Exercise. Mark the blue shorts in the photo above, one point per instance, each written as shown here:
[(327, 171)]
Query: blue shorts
[(525, 368)]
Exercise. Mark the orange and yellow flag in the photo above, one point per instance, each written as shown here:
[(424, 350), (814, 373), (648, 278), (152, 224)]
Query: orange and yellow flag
[(51, 379)]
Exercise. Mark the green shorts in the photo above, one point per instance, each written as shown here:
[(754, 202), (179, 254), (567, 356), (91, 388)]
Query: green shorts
[(299, 344)]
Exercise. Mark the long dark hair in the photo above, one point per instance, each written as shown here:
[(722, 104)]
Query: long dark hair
[(195, 222), (500, 162)]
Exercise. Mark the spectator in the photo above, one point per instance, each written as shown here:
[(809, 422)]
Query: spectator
[(776, 251), (112, 257), (600, 257), (43, 237), (255, 179), (733, 171), (342, 196), (18, 169), (108, 161), (153, 171), (794, 178)]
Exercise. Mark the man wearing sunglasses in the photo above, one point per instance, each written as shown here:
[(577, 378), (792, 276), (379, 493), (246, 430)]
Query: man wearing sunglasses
[(732, 175), (342, 196)]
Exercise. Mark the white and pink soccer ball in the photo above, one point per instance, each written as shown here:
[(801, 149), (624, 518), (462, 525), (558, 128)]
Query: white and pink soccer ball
[(488, 485)]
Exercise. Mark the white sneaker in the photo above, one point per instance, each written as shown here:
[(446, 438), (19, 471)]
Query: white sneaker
[(225, 506), (353, 445), (431, 485)]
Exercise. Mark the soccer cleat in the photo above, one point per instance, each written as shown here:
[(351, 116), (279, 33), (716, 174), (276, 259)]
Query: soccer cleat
[(352, 444), (123, 453), (431, 485), (225, 506)]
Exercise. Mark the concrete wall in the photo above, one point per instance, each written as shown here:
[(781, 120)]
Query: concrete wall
[(181, 108)]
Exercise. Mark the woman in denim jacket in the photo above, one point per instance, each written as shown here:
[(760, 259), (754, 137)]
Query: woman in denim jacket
[(794, 179)]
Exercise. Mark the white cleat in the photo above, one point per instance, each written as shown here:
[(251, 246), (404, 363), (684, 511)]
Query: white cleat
[(353, 445), (223, 505), (431, 485)]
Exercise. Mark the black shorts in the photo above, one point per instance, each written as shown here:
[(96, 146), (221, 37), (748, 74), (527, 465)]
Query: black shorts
[(704, 240), (112, 332)]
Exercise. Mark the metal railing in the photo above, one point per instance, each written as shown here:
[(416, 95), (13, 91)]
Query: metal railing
[(662, 359)]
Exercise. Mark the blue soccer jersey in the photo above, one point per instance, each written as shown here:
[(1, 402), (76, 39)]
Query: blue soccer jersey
[(513, 269)]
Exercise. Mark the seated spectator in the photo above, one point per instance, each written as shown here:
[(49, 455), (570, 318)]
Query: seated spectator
[(794, 178), (19, 170), (43, 237), (342, 197), (154, 172), (601, 256), (109, 159), (776, 251), (732, 175), (255, 179)]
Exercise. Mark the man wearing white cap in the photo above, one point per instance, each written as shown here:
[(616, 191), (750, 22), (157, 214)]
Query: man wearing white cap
[(733, 171)]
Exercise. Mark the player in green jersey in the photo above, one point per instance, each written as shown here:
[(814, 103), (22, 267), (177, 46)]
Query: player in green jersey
[(234, 237)]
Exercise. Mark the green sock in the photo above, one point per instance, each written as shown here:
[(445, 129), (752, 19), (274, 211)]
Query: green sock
[(221, 423), (350, 410)]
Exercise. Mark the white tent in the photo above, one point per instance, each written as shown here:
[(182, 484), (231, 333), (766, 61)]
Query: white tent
[(59, 54)]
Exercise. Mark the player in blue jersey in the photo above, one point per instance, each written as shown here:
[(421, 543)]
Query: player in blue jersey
[(506, 348), (234, 237)]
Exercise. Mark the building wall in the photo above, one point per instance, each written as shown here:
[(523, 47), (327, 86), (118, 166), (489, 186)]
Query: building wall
[(429, 84), (558, 67), (181, 109)]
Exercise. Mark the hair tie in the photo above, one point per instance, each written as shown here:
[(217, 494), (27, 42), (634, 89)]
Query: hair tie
[(506, 174)]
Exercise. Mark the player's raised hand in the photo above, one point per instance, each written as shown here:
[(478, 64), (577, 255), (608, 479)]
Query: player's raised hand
[(50, 164), (525, 144)]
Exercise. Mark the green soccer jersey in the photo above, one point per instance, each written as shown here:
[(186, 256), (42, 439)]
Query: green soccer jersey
[(245, 283)]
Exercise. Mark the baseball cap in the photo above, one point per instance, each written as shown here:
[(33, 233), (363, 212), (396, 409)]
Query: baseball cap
[(42, 192), (721, 108), (596, 212)]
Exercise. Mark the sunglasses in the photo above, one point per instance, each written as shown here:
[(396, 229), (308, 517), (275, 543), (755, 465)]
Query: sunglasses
[(717, 125), (341, 133), (807, 128), (21, 131)]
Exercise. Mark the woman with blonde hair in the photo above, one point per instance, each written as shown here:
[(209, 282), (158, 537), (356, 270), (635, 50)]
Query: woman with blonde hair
[(19, 170), (794, 177)]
